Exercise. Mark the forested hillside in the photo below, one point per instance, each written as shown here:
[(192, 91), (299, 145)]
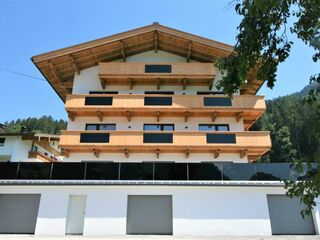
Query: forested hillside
[(294, 127), (45, 124)]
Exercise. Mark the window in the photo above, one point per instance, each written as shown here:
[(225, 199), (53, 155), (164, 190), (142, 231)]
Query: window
[(98, 101), (158, 101), (2, 140), (160, 92), (209, 92), (158, 127), (213, 127), (105, 127), (217, 101), (103, 92), (157, 68)]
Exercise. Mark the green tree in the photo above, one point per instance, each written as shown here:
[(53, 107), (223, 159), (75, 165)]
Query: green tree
[(263, 44)]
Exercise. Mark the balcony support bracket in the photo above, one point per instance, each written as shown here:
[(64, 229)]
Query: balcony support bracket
[(126, 153), (96, 153), (71, 115), (100, 115), (158, 153), (187, 153), (158, 83), (186, 115), (216, 153), (129, 115), (243, 153), (158, 116), (184, 84), (103, 84), (239, 116), (130, 81), (65, 152), (214, 116)]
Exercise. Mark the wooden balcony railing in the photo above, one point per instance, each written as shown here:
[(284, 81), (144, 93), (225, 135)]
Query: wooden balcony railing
[(184, 74), (246, 107), (253, 144)]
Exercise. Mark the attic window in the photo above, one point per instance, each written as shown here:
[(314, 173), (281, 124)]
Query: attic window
[(157, 69)]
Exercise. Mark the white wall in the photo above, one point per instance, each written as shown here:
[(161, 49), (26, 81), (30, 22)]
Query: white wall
[(198, 210)]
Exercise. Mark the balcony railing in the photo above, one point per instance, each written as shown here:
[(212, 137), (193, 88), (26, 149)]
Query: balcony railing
[(153, 171), (250, 108), (253, 143), (184, 74)]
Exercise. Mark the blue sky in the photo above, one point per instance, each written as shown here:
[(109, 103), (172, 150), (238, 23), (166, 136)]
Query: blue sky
[(32, 27)]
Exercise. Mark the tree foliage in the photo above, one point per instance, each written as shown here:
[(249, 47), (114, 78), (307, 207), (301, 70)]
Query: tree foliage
[(44, 124), (262, 44)]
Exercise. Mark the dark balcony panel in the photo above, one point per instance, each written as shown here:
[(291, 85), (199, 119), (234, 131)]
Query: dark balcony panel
[(34, 170), (8, 170), (307, 171), (170, 171), (217, 101), (204, 171), (68, 171), (221, 138), (274, 171), (158, 101), (94, 137), (238, 172), (157, 138), (136, 171), (157, 68), (102, 171), (98, 101)]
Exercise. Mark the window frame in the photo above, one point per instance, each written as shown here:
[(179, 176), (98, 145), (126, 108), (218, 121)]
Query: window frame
[(98, 126), (216, 127), (162, 125)]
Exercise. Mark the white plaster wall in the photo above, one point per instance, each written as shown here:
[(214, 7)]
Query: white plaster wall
[(197, 210), (21, 150), (9, 144), (137, 123), (88, 79)]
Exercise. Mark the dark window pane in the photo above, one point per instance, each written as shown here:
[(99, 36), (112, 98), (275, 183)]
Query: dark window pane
[(103, 92), (221, 138), (34, 170), (94, 137), (159, 92), (157, 138), (91, 127), (167, 127), (68, 171), (238, 171), (8, 170), (158, 101), (2, 140), (274, 171), (217, 101), (102, 171), (207, 127), (136, 171), (223, 127), (170, 171), (204, 171), (158, 127), (157, 68), (98, 101), (107, 127)]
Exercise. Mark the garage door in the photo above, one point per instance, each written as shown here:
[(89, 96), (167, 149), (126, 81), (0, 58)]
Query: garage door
[(18, 213), (149, 215), (285, 216)]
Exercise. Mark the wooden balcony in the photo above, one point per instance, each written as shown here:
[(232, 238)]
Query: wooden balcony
[(40, 156), (183, 74), (253, 144), (246, 107)]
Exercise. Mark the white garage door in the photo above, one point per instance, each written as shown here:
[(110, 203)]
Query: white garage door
[(285, 216), (18, 213), (149, 215)]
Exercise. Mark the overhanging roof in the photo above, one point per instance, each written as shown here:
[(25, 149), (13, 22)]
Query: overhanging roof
[(59, 66)]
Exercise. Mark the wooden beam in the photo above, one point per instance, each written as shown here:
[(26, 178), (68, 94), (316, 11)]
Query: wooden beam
[(71, 115), (95, 57), (123, 54), (100, 115), (187, 153), (239, 116), (57, 76), (186, 115), (216, 153), (129, 115), (96, 153), (243, 153), (155, 41), (158, 116), (184, 84), (74, 64), (126, 152), (189, 51), (158, 83), (130, 81), (214, 116), (158, 152)]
